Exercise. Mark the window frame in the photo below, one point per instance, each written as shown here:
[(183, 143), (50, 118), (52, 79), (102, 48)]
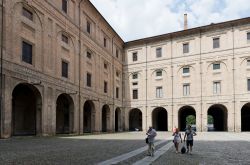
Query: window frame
[(135, 94), (186, 89), (27, 14), (117, 92), (248, 36), (89, 79), (158, 52), (65, 38), (27, 58), (135, 56), (159, 92), (216, 64), (135, 76), (67, 68), (88, 24), (248, 84), (157, 73), (105, 87), (185, 47), (216, 87), (216, 42), (65, 6), (185, 68)]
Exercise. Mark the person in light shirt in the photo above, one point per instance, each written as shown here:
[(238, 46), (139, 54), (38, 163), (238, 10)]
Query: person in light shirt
[(190, 138)]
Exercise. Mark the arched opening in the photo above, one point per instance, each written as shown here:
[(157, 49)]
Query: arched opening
[(105, 118), (118, 120), (64, 114), (26, 110), (160, 119), (135, 120), (88, 116), (219, 116), (187, 116), (245, 117)]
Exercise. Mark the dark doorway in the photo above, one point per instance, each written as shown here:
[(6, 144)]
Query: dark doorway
[(245, 117), (88, 118), (135, 120), (64, 114), (26, 110), (118, 118), (105, 118), (160, 119), (219, 115), (187, 116)]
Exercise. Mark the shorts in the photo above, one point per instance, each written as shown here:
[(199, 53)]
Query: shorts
[(190, 142)]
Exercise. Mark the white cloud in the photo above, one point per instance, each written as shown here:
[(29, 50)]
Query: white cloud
[(134, 19)]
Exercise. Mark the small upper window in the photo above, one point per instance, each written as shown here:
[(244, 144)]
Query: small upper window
[(158, 52), (186, 70), (216, 66), (117, 74), (186, 48), (65, 5), (88, 54), (135, 83), (27, 52), (117, 53), (65, 69), (105, 42), (105, 65), (158, 73), (65, 39), (28, 14), (248, 36), (216, 43), (135, 56), (135, 76), (248, 62), (88, 27)]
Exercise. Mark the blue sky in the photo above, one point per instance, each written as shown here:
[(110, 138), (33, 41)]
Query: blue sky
[(135, 19)]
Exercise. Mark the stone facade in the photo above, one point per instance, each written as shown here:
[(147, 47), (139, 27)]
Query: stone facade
[(80, 75)]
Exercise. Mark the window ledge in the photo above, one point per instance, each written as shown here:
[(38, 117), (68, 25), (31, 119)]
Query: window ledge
[(158, 78), (248, 67), (186, 75), (217, 71)]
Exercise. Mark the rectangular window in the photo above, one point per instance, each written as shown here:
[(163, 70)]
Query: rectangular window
[(27, 14), (185, 70), (88, 27), (135, 76), (216, 66), (217, 88), (248, 36), (159, 92), (117, 74), (88, 79), (65, 39), (117, 92), (64, 69), (105, 87), (248, 84), (159, 73), (135, 56), (27, 52), (158, 52), (65, 5), (216, 43), (186, 48), (135, 93), (105, 42), (89, 55), (248, 62), (105, 65), (135, 83), (117, 53), (186, 89)]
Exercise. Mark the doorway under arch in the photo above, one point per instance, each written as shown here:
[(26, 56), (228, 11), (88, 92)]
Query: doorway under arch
[(135, 120), (88, 116), (160, 119), (187, 116), (105, 118), (64, 114), (245, 117), (219, 115), (26, 110), (118, 120)]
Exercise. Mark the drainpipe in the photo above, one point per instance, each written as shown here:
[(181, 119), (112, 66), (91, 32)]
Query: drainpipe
[(146, 86), (1, 73), (201, 82), (113, 67), (233, 78)]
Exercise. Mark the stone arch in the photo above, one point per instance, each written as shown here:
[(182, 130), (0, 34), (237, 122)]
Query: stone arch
[(135, 119), (106, 118), (216, 62), (88, 116), (160, 119), (26, 110), (183, 113), (220, 114), (64, 114), (245, 117), (118, 120)]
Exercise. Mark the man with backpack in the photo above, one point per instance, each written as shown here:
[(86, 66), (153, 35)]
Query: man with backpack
[(151, 138), (190, 140)]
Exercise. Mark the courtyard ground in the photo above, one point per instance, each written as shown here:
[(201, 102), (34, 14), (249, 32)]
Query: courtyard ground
[(124, 148)]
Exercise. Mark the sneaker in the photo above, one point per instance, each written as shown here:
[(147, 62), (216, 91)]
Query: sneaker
[(176, 152)]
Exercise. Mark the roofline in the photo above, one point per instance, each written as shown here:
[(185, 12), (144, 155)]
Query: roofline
[(188, 31), (105, 21)]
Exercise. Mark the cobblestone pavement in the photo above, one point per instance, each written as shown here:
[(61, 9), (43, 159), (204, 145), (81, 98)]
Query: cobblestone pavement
[(210, 148)]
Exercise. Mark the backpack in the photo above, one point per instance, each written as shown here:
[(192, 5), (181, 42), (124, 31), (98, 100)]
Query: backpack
[(183, 149)]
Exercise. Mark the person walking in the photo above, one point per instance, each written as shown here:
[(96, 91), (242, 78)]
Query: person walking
[(190, 138), (177, 139), (151, 138)]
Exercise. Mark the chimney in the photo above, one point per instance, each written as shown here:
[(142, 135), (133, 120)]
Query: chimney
[(185, 22)]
